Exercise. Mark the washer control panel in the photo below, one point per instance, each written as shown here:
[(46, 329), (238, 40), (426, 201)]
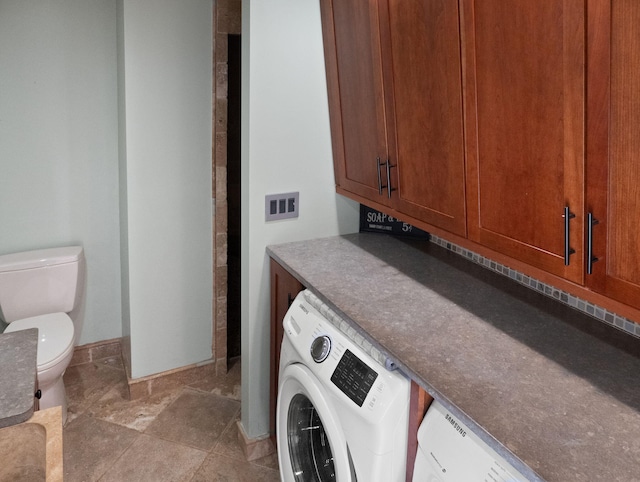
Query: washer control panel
[(353, 377), (365, 387)]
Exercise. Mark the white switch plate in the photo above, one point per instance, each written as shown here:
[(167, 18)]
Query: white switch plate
[(281, 206)]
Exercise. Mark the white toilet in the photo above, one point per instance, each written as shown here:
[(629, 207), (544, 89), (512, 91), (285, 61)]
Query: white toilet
[(37, 290)]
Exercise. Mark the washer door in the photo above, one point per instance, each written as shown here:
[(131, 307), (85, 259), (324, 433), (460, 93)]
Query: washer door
[(311, 445)]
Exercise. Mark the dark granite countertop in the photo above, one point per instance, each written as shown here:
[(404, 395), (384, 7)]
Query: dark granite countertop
[(538, 381), (18, 371)]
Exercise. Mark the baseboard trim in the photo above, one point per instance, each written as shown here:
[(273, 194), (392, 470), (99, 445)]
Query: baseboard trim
[(144, 386), (96, 351), (254, 448)]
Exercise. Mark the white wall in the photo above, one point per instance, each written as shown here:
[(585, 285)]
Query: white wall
[(286, 146), (59, 140), (166, 152)]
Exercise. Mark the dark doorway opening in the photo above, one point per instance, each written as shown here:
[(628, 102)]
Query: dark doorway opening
[(233, 197)]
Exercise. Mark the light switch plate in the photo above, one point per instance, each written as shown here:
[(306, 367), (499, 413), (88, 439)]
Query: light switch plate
[(281, 206)]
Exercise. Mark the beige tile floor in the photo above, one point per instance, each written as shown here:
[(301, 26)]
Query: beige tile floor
[(184, 434)]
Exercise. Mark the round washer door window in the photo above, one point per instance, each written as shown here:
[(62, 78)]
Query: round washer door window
[(311, 445)]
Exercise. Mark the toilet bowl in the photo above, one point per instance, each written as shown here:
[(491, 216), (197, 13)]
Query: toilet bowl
[(37, 290)]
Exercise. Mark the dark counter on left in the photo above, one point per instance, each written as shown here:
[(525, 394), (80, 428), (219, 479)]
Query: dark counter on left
[(18, 372)]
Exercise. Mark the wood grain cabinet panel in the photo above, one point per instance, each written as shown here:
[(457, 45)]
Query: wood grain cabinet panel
[(424, 96), (613, 156), (524, 97), (284, 289), (353, 62)]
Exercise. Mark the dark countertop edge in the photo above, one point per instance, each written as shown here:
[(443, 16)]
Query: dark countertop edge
[(17, 418), (28, 406), (485, 436), (272, 254)]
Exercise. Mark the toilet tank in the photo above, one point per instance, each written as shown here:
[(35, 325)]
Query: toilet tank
[(39, 282)]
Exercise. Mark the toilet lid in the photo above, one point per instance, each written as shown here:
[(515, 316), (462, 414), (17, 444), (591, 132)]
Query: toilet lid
[(55, 336)]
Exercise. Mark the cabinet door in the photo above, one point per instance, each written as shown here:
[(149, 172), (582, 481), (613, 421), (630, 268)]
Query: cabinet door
[(351, 33), (284, 289), (421, 56), (524, 99), (613, 156)]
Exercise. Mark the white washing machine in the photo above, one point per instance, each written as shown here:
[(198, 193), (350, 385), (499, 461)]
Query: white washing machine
[(449, 452), (341, 416)]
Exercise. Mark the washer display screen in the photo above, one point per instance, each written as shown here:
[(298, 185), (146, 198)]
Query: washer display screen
[(353, 377)]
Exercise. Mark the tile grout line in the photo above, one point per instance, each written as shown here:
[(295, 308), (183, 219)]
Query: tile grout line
[(119, 456), (229, 425)]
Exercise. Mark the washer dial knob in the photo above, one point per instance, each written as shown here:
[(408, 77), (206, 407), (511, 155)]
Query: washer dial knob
[(320, 348)]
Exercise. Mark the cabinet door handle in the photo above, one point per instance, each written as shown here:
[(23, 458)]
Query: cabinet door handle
[(568, 251), (380, 186), (389, 188), (591, 222)]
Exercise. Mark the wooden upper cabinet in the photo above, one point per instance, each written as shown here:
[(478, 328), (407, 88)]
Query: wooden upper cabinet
[(395, 94), (613, 148), (492, 120), (524, 97), (355, 86), (423, 80)]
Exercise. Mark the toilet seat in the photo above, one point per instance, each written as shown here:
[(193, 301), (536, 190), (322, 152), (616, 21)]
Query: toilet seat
[(55, 336)]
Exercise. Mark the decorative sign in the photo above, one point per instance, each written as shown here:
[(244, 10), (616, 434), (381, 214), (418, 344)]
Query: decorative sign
[(376, 222)]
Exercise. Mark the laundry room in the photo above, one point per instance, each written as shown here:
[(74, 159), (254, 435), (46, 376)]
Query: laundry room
[(321, 240), (493, 267)]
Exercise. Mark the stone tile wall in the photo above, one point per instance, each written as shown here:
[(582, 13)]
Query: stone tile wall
[(227, 20)]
